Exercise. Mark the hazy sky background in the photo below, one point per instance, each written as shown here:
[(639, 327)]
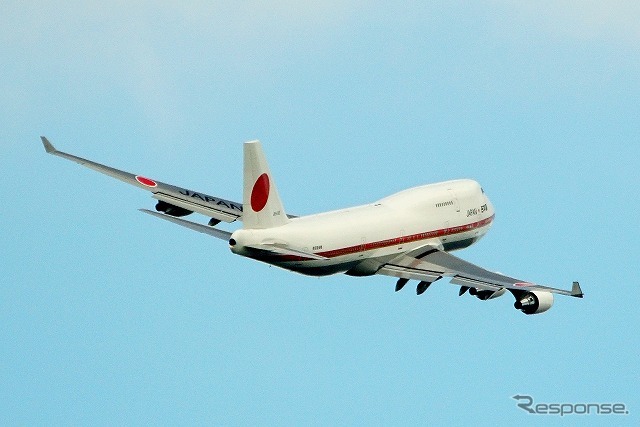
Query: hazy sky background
[(109, 316)]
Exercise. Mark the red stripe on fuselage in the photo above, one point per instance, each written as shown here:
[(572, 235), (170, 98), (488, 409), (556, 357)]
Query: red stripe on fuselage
[(394, 241)]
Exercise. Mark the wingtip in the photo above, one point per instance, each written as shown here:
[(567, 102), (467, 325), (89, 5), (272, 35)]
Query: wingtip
[(576, 291), (48, 146)]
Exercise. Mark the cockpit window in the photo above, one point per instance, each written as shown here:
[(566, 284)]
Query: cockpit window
[(482, 189)]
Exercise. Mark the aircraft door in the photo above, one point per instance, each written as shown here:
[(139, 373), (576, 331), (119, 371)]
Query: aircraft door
[(456, 204)]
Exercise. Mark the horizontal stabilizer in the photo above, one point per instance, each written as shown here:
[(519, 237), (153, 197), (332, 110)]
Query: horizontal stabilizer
[(200, 228)]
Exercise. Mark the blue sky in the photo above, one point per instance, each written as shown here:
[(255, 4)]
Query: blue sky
[(109, 316)]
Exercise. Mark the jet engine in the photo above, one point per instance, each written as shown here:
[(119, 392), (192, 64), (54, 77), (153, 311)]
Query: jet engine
[(485, 294), (534, 302)]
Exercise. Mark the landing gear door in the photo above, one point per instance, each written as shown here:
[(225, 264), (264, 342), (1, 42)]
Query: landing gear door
[(456, 204)]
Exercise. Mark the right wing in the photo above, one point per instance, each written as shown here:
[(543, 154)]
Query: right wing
[(186, 201), (429, 264)]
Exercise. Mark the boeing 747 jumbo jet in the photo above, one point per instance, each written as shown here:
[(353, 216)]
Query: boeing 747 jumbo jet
[(407, 235)]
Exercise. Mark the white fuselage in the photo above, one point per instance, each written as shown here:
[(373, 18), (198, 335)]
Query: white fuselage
[(405, 235), (449, 215)]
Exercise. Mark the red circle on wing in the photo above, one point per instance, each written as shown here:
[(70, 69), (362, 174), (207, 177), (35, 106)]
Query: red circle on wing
[(146, 181), (260, 193)]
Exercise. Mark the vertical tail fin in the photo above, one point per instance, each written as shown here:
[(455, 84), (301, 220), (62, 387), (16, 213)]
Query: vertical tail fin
[(262, 207)]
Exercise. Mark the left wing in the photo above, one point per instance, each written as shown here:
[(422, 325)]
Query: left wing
[(175, 201), (429, 264)]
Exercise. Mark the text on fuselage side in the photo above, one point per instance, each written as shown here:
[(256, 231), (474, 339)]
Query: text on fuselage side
[(475, 211)]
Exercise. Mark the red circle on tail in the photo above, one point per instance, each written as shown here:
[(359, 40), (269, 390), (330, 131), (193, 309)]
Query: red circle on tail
[(260, 193)]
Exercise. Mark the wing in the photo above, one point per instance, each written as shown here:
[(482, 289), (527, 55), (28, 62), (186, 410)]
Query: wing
[(174, 200), (429, 264)]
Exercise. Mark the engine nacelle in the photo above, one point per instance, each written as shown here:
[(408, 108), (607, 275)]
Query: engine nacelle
[(172, 210), (534, 302), (485, 294)]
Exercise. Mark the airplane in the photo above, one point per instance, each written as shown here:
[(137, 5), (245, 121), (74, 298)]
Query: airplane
[(408, 235)]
